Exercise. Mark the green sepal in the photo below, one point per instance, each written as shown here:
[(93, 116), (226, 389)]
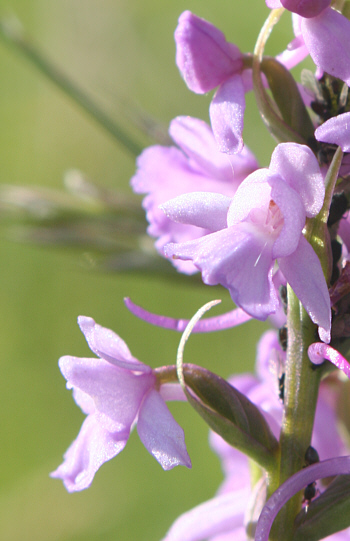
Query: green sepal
[(327, 514), (230, 414), (287, 97)]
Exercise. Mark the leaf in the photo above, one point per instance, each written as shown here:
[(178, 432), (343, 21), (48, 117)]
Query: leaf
[(287, 97), (327, 514), (230, 414)]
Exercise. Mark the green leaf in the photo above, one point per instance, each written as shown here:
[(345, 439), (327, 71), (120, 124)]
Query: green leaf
[(327, 514), (287, 97), (230, 414)]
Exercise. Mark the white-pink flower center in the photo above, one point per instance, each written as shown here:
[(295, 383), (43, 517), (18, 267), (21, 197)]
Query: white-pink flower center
[(269, 220)]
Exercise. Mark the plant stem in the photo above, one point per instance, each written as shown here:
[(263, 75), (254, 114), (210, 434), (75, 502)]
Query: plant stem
[(301, 389)]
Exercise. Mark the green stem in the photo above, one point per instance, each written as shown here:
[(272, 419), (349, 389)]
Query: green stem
[(15, 37), (301, 389)]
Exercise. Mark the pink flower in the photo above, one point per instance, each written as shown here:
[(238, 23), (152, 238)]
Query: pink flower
[(206, 61), (304, 8), (261, 224), (116, 391), (224, 516), (336, 131), (196, 164)]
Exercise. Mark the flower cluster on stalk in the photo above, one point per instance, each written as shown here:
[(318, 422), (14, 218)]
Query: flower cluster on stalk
[(277, 238)]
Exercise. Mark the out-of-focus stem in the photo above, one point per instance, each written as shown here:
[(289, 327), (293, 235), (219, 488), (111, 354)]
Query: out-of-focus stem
[(13, 35)]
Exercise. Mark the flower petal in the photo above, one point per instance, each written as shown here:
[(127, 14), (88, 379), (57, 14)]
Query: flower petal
[(273, 4), (319, 352), (293, 211), (172, 392), (306, 8), (253, 193), (160, 433), (116, 392), (295, 483), (204, 57), (239, 258), (336, 130), (298, 166), (209, 324), (224, 513), (227, 115), (202, 209), (109, 346), (327, 38), (98, 441), (197, 141), (303, 271)]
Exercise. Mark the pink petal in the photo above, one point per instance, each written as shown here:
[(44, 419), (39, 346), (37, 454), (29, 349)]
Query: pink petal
[(292, 208), (202, 209), (116, 392), (172, 392), (336, 130), (197, 141), (295, 53), (160, 433), (303, 271), (84, 401), (203, 56), (298, 166), (109, 346), (239, 258), (328, 444), (253, 193), (326, 468), (210, 324), (319, 352), (224, 513), (273, 4), (306, 8), (227, 115), (327, 38), (99, 440)]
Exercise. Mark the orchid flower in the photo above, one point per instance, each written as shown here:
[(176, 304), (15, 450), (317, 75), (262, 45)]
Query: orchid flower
[(116, 391), (206, 61), (261, 224), (195, 164), (336, 131), (304, 8), (325, 33)]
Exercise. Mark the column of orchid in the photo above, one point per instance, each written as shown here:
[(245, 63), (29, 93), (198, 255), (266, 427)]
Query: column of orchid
[(277, 238)]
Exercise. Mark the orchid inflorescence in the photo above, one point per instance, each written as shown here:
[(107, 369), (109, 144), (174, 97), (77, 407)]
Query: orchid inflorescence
[(278, 239)]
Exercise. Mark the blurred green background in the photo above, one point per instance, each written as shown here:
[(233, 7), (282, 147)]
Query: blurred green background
[(122, 53)]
